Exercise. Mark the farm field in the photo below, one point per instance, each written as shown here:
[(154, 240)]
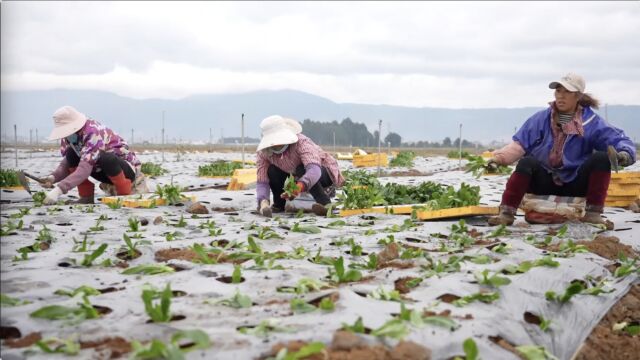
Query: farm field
[(365, 285)]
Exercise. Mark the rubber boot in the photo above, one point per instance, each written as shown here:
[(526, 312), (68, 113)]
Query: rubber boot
[(319, 209), (506, 216), (593, 215), (265, 208), (86, 191), (121, 183)]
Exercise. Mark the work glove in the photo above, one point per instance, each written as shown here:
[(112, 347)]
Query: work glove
[(47, 182), (492, 164), (264, 208), (52, 196), (299, 189), (624, 159)]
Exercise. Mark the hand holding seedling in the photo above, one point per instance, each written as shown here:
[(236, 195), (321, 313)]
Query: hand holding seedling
[(292, 189)]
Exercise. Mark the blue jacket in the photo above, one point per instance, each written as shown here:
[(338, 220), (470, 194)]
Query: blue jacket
[(536, 138)]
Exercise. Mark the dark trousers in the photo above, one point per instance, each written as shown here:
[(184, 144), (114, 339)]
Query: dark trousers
[(277, 177), (591, 181), (109, 163)]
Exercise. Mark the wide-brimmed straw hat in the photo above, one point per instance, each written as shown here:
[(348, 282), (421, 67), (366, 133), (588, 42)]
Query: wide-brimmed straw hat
[(278, 130), (66, 121), (571, 82)]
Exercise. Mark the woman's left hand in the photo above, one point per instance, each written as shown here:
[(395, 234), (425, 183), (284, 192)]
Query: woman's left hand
[(296, 192), (52, 196)]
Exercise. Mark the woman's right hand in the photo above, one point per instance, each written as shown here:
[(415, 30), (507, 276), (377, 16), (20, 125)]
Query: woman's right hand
[(47, 182)]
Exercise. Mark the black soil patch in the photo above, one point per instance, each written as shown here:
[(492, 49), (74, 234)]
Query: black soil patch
[(226, 199), (228, 279), (9, 332), (102, 310), (532, 318), (64, 224), (125, 255), (173, 318), (178, 293)]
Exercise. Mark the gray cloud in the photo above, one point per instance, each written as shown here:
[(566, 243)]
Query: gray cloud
[(502, 44)]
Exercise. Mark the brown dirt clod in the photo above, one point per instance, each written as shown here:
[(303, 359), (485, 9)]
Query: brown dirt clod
[(110, 348), (25, 341), (608, 247), (604, 343), (401, 284), (197, 208)]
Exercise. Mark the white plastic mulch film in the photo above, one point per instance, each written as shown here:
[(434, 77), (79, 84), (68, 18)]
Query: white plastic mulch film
[(444, 278)]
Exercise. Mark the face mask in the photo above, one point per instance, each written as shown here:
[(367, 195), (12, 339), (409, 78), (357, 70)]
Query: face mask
[(284, 147), (73, 138)]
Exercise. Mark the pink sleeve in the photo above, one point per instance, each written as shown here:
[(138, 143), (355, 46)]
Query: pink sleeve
[(509, 153), (82, 173), (262, 165), (61, 171)]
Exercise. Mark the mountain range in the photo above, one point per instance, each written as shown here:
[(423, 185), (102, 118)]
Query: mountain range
[(191, 118)]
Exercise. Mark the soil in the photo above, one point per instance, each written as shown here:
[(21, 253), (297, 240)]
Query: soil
[(190, 255), (223, 209), (349, 346), (25, 341), (401, 284), (604, 343), (608, 247), (109, 348)]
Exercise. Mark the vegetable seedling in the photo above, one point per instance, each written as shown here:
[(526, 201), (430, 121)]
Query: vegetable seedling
[(158, 311), (337, 273)]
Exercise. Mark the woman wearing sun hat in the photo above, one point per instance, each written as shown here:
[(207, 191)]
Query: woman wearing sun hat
[(562, 150), (90, 149), (283, 150)]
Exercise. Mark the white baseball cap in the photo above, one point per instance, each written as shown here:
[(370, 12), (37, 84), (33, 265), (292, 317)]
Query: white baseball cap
[(66, 121), (278, 130), (571, 82)]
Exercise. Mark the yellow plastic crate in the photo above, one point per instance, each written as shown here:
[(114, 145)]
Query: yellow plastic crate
[(13, 188), (371, 160), (394, 209), (457, 212), (242, 179)]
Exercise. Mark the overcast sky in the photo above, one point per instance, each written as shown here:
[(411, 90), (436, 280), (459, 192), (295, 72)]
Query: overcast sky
[(454, 54)]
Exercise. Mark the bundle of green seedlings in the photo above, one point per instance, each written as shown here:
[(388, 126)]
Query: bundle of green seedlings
[(152, 169), (478, 167), (455, 154), (404, 158), (362, 190), (171, 193), (9, 178), (290, 185), (219, 168)]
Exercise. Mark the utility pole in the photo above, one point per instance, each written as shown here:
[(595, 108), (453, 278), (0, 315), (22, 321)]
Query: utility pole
[(15, 134), (379, 145), (606, 112), (222, 136), (163, 136), (30, 143), (334, 142), (36, 136), (460, 143), (242, 133), (210, 138)]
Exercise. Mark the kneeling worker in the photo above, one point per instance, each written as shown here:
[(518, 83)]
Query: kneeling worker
[(283, 150), (91, 149)]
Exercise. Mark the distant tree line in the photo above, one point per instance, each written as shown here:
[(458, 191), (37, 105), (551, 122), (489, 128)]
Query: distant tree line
[(349, 133)]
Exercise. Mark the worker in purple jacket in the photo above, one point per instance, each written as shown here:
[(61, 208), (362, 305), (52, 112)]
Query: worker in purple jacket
[(562, 151)]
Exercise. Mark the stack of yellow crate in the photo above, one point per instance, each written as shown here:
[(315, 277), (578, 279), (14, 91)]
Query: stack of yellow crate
[(370, 160), (624, 189), (243, 178)]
